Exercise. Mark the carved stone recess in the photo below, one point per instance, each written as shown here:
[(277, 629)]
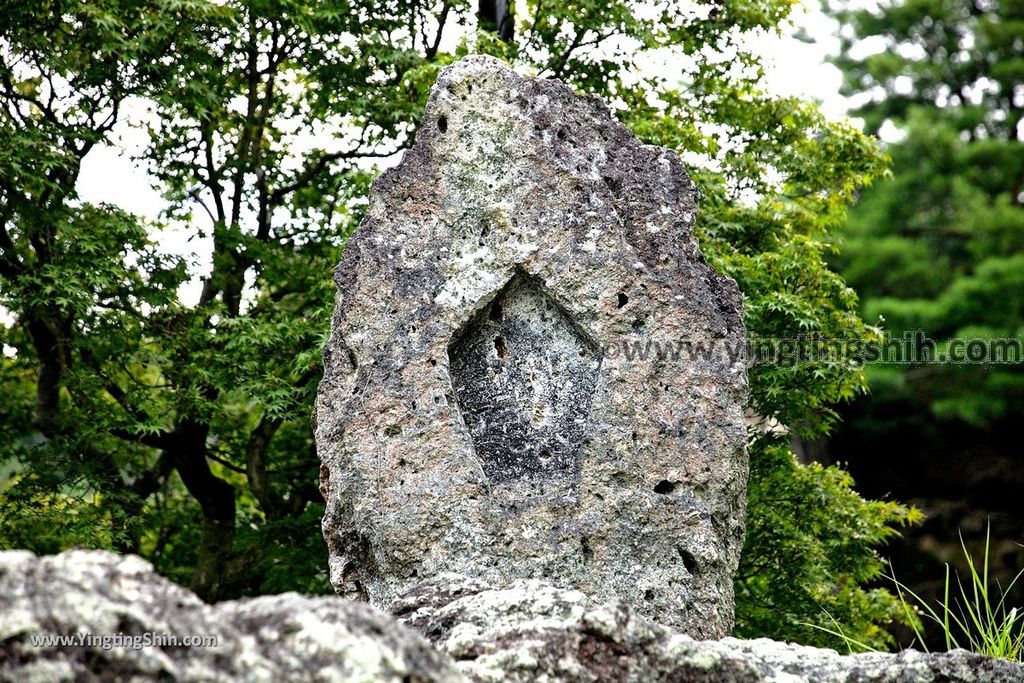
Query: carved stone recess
[(524, 378), (478, 412)]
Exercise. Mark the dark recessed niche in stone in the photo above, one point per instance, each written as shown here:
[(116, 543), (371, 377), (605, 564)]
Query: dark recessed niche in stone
[(665, 487), (524, 377)]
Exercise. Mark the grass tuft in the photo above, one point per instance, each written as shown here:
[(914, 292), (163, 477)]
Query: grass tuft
[(973, 617)]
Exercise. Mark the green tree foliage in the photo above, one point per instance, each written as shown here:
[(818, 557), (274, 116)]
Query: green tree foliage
[(940, 245), (791, 507), (141, 419)]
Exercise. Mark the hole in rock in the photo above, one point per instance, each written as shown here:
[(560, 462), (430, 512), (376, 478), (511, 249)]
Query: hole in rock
[(500, 347), (665, 487), (622, 299), (689, 561)]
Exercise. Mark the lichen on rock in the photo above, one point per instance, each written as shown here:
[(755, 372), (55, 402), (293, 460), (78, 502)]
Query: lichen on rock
[(482, 410), (456, 629), (114, 604), (531, 631)]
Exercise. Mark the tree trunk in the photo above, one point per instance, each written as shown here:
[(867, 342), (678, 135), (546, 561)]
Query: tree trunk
[(216, 498), (50, 334), (497, 16)]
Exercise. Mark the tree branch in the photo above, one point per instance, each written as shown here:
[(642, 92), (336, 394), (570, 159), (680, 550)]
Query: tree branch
[(10, 266), (212, 182), (577, 42), (226, 463), (317, 167), (431, 51), (159, 441), (256, 467)]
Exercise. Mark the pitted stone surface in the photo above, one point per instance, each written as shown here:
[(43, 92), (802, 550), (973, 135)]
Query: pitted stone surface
[(530, 631), (118, 617), (527, 631), (524, 378), (479, 413)]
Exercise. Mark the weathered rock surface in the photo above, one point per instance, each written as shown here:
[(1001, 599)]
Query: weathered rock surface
[(478, 413), (528, 631), (531, 631), (278, 638)]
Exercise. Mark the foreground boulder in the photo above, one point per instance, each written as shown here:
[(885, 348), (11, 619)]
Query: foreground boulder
[(96, 596), (483, 410), (526, 632), (531, 631)]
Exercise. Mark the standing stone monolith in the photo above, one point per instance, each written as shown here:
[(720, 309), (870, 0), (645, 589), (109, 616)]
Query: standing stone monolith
[(532, 371)]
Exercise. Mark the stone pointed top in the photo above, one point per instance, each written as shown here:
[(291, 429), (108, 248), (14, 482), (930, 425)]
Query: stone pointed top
[(484, 409)]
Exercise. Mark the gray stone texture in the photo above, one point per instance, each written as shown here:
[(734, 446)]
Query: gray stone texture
[(478, 414), (272, 638), (527, 631), (531, 631)]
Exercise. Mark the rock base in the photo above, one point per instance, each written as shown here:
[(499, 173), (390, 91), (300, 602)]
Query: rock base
[(453, 629)]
